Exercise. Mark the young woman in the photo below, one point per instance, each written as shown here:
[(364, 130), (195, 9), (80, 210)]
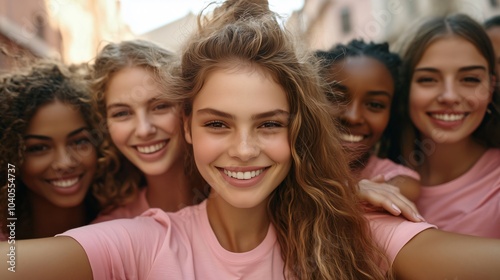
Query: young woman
[(450, 119), (263, 139), (143, 143), (363, 77), (49, 158)]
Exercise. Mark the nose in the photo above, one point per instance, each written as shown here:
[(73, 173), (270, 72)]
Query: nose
[(64, 161), (352, 114), (449, 94), (145, 127), (245, 147)]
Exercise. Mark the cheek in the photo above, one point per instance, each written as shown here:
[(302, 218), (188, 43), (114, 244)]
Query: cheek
[(277, 148), (89, 159), (34, 167), (207, 149), (119, 132)]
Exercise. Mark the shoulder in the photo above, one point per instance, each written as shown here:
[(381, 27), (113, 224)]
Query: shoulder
[(388, 168)]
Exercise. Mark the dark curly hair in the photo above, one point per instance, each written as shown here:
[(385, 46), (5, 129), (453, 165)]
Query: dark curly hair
[(22, 92), (378, 51)]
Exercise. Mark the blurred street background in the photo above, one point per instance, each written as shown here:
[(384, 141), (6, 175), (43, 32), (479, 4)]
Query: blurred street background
[(75, 30)]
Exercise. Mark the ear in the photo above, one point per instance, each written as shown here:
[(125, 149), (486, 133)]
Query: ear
[(187, 130)]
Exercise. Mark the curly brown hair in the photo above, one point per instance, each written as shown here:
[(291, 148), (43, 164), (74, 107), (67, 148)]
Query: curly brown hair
[(22, 92), (319, 222)]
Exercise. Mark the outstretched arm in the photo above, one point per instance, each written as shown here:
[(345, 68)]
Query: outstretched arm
[(435, 254), (45, 258)]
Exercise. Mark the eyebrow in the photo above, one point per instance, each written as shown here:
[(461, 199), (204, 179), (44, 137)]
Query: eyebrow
[(119, 104), (463, 69), (263, 115), (379, 93), (42, 137)]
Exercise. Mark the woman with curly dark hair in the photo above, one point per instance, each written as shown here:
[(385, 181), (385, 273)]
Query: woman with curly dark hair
[(49, 155)]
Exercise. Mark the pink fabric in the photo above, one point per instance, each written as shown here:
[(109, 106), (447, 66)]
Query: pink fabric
[(378, 166), (182, 245), (131, 210), (469, 204)]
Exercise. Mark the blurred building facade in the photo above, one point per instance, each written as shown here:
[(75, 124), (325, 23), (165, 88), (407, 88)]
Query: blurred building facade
[(72, 30), (323, 23)]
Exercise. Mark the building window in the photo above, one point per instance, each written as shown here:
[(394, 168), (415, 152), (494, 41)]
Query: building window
[(346, 20), (494, 3)]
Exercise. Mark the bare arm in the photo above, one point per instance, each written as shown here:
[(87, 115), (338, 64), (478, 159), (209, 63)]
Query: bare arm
[(46, 258), (435, 254)]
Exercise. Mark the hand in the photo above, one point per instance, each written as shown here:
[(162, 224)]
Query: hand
[(376, 192)]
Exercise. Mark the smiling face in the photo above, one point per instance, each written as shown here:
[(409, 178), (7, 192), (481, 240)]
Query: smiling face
[(450, 90), (239, 132), (143, 127), (60, 161), (368, 89)]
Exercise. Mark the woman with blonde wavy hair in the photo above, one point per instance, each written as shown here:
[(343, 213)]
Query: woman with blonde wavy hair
[(142, 137)]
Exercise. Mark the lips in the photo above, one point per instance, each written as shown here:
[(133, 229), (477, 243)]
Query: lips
[(149, 149)]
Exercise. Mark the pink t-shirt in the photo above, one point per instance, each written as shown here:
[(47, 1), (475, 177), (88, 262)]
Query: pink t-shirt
[(378, 166), (130, 210), (182, 245), (470, 204)]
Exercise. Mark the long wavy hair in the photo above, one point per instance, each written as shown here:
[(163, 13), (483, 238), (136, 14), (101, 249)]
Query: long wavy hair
[(22, 93), (123, 179), (403, 143), (319, 223)]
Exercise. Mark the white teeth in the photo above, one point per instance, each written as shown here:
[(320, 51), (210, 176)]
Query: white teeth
[(448, 117), (243, 175), (65, 183), (151, 149), (351, 138)]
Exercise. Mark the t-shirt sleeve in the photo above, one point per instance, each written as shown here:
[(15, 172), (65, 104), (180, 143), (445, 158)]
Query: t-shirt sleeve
[(391, 233), (123, 248)]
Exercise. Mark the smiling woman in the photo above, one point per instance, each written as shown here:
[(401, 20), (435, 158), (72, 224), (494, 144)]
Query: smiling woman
[(45, 133)]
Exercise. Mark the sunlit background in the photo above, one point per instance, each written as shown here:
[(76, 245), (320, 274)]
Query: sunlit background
[(74, 30)]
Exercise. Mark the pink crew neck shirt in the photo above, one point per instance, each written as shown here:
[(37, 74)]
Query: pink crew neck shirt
[(470, 204), (182, 245), (378, 166)]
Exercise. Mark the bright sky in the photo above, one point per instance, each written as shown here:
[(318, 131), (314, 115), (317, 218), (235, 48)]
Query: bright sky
[(143, 16)]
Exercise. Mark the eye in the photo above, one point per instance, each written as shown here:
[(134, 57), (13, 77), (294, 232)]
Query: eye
[(471, 80), (376, 106), (81, 142), (271, 124), (425, 80), (120, 114), (162, 106), (37, 149), (215, 124)]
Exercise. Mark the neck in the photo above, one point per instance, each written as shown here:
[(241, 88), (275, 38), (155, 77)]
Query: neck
[(237, 229), (169, 191), (447, 162), (49, 219)]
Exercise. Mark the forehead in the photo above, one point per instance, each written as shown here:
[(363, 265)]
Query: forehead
[(250, 87), (362, 72), (55, 118), (132, 84), (451, 51)]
